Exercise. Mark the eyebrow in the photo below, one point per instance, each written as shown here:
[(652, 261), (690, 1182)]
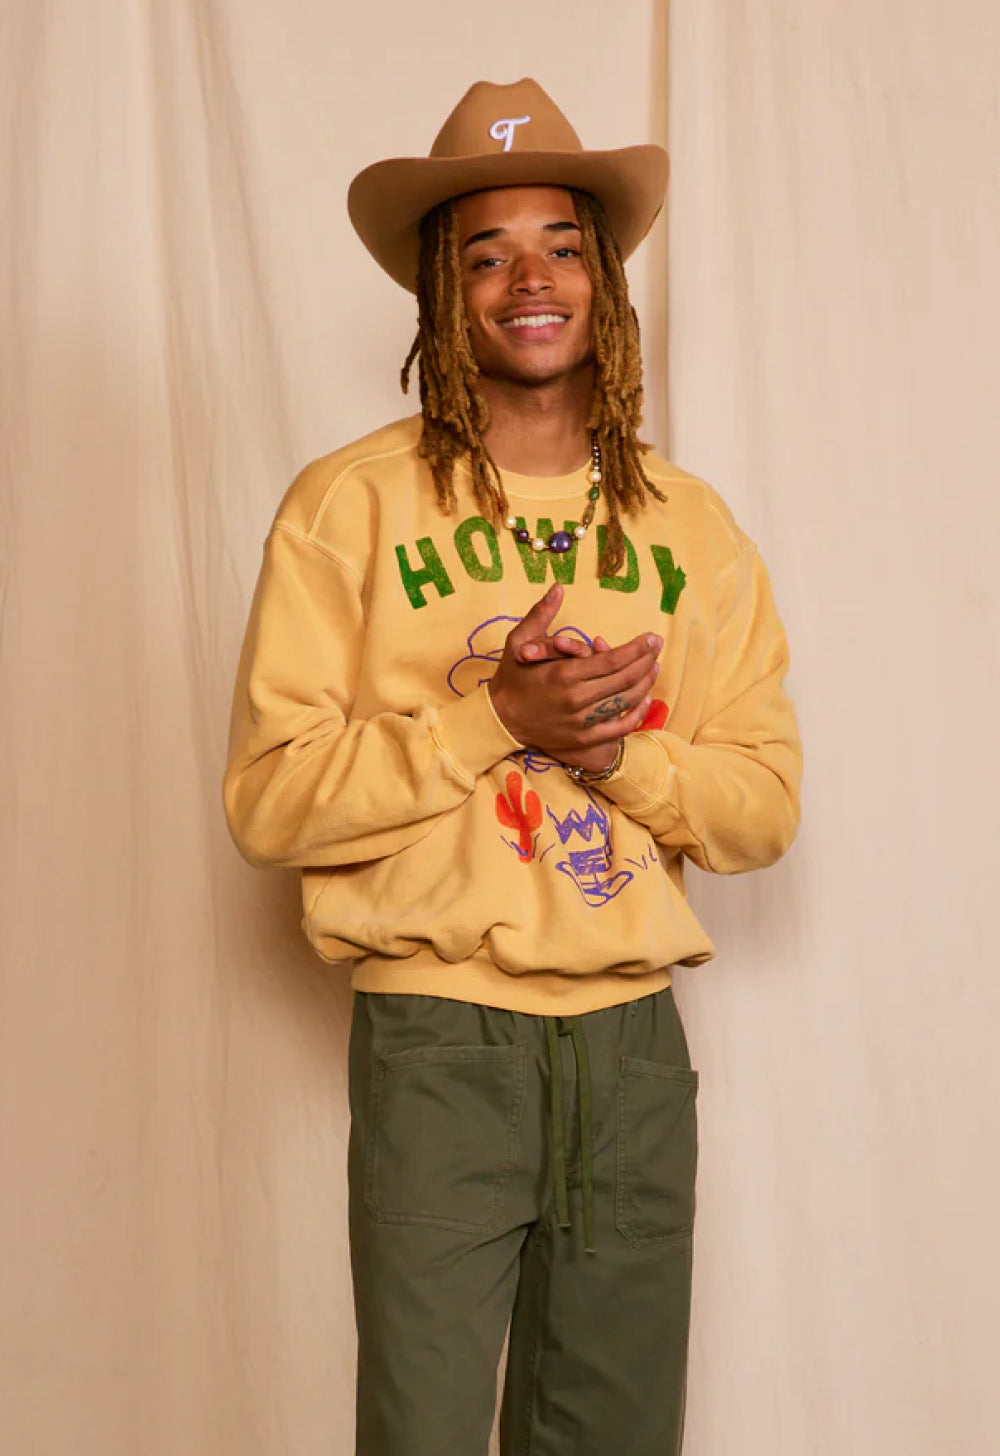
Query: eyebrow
[(490, 234)]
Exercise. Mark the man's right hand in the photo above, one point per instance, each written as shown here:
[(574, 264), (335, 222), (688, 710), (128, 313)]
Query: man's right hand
[(573, 707)]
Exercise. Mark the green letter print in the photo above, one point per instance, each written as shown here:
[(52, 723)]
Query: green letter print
[(478, 525), (433, 573), (630, 581), (536, 562), (672, 578)]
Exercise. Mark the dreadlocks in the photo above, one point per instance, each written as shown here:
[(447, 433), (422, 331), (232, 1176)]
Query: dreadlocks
[(456, 415)]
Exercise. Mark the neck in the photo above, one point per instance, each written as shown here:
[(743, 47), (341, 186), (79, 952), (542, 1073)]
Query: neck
[(539, 429)]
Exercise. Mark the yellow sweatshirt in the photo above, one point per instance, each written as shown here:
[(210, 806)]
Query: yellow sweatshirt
[(439, 855)]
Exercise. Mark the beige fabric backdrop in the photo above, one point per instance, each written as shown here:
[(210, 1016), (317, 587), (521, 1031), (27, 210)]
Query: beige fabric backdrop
[(187, 317)]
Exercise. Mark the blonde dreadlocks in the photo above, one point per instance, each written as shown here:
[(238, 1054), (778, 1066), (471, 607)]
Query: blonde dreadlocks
[(455, 411)]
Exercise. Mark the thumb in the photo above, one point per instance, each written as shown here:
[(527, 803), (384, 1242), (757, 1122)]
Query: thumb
[(539, 619)]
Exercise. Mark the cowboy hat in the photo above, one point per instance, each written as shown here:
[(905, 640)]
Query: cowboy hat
[(501, 136)]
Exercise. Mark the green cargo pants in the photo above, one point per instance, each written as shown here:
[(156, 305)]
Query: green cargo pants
[(541, 1170)]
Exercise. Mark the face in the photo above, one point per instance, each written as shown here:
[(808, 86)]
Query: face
[(527, 294)]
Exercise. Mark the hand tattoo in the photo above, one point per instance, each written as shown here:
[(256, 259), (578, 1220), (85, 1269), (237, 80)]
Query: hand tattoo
[(615, 707)]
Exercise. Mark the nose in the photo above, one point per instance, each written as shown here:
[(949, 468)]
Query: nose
[(531, 274)]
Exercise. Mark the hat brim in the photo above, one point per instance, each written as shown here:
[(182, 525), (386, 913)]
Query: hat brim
[(388, 199)]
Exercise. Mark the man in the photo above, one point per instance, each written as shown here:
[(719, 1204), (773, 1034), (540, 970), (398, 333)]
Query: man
[(491, 811)]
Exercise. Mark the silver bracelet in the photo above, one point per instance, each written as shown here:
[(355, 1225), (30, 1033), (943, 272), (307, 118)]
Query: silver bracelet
[(588, 776)]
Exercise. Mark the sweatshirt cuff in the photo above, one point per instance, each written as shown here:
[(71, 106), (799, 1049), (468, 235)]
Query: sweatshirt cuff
[(641, 781), (471, 735)]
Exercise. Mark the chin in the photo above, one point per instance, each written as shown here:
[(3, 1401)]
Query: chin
[(534, 371), (539, 376)]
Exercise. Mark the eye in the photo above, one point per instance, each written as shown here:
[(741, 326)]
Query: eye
[(485, 264), (567, 252)]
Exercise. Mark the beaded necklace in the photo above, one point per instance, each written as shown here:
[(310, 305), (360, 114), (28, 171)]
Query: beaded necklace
[(561, 541)]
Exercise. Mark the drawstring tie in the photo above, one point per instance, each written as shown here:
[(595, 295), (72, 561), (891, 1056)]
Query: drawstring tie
[(555, 1027)]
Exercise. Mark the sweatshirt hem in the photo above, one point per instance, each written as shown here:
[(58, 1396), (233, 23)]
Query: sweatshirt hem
[(539, 993)]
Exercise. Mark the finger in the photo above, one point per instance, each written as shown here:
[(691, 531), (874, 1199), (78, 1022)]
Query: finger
[(608, 710), (637, 677), (606, 664), (601, 645), (535, 651), (547, 649), (538, 620), (619, 704), (571, 646), (617, 727)]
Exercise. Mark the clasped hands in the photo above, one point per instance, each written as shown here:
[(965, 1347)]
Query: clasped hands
[(573, 702)]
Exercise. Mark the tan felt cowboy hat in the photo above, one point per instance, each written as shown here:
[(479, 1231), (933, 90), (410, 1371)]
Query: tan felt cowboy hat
[(501, 136)]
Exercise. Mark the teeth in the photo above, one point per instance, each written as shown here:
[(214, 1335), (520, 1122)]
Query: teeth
[(533, 321)]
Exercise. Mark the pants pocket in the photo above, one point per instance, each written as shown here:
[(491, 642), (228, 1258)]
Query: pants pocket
[(444, 1130), (657, 1151)]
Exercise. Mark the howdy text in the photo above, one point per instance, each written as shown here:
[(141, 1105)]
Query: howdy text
[(479, 552)]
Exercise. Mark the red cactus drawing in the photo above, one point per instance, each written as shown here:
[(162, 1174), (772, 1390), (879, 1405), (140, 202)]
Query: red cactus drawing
[(524, 818)]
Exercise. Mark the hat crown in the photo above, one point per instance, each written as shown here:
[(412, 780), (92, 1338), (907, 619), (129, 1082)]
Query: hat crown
[(492, 119), (501, 136)]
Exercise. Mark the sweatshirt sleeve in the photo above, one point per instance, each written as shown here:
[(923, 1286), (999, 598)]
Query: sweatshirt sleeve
[(730, 798), (308, 784)]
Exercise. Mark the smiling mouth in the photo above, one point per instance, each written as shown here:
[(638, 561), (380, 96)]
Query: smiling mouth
[(534, 321)]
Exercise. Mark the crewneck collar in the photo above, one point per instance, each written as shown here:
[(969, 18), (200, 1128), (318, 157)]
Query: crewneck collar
[(544, 487)]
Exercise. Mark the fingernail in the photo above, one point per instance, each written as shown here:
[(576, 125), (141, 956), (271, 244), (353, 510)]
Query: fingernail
[(653, 641), (530, 651)]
